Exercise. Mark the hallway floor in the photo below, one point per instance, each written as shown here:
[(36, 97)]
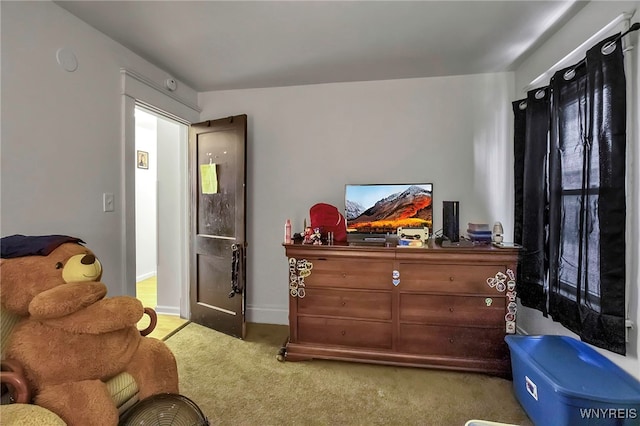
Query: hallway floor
[(167, 324)]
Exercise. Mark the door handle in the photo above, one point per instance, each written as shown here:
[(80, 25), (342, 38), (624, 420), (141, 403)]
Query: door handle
[(237, 260)]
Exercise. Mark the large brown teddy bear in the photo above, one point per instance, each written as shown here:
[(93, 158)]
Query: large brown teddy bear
[(72, 338)]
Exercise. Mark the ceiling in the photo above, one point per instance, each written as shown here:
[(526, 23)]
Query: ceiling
[(215, 45)]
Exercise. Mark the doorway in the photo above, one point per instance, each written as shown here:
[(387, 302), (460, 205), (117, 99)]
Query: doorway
[(161, 149)]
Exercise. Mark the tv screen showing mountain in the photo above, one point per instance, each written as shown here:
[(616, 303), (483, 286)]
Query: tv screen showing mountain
[(382, 208)]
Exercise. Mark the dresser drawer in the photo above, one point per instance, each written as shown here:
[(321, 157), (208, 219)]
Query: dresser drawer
[(449, 278), (346, 303), (452, 310), (331, 331), (465, 342), (350, 274)]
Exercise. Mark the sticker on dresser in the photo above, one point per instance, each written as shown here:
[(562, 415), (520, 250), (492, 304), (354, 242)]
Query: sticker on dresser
[(506, 282), (298, 271)]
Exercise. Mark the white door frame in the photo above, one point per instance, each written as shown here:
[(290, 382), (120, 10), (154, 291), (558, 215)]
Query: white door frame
[(137, 89)]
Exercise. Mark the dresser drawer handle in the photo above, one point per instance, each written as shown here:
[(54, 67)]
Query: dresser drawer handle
[(343, 332), (451, 340), (450, 278), (450, 309), (344, 303), (344, 275)]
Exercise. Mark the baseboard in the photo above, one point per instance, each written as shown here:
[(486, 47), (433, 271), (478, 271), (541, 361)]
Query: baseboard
[(274, 314), (145, 276), (167, 310)]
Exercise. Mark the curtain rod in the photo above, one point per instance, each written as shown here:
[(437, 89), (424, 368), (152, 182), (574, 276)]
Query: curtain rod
[(625, 16)]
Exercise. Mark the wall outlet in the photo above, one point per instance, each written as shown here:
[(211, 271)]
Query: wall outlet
[(108, 202)]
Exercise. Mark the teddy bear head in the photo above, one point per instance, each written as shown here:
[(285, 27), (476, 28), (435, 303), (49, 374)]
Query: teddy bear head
[(23, 278)]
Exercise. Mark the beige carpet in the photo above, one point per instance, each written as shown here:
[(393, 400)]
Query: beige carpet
[(240, 382)]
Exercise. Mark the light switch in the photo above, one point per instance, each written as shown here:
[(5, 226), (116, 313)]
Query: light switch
[(108, 202)]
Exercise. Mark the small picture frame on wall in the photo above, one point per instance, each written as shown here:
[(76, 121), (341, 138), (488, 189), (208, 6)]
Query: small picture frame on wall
[(142, 160)]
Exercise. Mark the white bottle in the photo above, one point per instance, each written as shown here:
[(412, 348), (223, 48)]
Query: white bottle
[(497, 232), (287, 232)]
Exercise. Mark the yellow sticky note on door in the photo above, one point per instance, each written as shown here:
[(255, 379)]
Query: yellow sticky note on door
[(209, 178)]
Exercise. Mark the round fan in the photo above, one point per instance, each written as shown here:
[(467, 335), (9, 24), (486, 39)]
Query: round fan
[(164, 409)]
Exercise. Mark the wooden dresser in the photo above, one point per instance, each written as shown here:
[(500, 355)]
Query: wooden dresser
[(434, 307)]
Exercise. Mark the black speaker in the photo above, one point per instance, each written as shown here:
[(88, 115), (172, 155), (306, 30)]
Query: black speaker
[(451, 220)]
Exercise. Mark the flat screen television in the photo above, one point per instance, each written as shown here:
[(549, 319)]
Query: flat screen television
[(381, 208)]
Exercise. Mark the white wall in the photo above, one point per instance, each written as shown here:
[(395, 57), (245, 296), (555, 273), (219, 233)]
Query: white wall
[(587, 22), (172, 186), (307, 142), (61, 135), (146, 201)]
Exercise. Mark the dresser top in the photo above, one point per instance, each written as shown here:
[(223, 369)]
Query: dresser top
[(400, 252)]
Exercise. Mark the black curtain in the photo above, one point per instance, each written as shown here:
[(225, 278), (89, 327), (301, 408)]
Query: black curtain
[(587, 198), (530, 150), (579, 223)]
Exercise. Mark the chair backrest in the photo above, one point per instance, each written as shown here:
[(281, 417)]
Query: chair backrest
[(8, 322)]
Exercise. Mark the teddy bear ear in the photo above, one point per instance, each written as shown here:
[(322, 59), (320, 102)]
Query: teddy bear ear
[(15, 293)]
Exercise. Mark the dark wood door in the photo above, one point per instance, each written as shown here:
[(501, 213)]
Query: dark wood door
[(218, 226)]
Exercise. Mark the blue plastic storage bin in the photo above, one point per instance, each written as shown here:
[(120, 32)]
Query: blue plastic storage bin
[(562, 381)]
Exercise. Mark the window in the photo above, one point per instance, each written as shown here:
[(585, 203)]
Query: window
[(570, 170)]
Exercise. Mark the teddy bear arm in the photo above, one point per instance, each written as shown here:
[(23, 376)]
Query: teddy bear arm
[(66, 299), (104, 316)]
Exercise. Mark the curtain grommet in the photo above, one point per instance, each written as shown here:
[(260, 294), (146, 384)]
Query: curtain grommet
[(608, 48), (540, 94), (523, 105), (569, 74)]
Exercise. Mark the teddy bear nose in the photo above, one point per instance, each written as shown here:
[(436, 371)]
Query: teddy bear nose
[(88, 259)]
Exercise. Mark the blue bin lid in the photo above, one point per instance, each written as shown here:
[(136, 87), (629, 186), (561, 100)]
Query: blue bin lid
[(575, 369)]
